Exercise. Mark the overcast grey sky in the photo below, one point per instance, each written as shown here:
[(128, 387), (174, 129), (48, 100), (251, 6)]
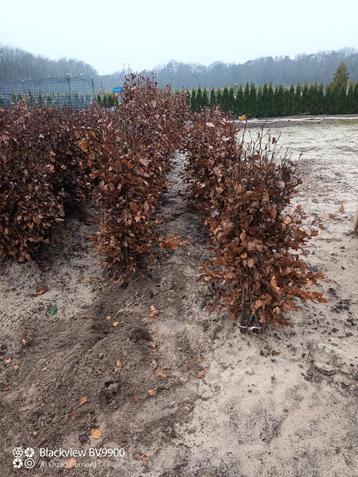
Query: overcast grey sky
[(109, 34)]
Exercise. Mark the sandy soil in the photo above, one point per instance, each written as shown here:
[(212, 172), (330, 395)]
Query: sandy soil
[(300, 120), (220, 403)]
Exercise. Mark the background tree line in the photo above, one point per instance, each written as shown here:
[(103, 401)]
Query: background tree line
[(17, 64), (310, 68), (340, 96)]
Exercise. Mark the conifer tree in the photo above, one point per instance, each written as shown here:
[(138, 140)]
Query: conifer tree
[(199, 99), (320, 99), (205, 99), (341, 77), (291, 101), (193, 100), (212, 99), (226, 100), (264, 101), (305, 99), (312, 99), (260, 112), (341, 100), (355, 98), (246, 100), (252, 100), (219, 99), (330, 100), (231, 100), (238, 109), (279, 101), (298, 99), (349, 109), (270, 93), (187, 94), (286, 102)]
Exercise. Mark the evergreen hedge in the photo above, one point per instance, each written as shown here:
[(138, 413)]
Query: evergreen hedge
[(268, 101)]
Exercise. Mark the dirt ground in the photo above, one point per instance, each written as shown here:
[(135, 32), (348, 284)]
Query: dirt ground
[(179, 388)]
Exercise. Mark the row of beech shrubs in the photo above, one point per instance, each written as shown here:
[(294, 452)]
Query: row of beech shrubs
[(130, 160), (53, 160), (244, 194), (40, 176)]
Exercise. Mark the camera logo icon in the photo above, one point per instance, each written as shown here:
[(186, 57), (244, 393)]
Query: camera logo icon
[(23, 458), (17, 452), (17, 463), (29, 452), (29, 463)]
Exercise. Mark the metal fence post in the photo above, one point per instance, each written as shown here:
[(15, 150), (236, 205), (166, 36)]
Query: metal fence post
[(69, 87), (92, 84)]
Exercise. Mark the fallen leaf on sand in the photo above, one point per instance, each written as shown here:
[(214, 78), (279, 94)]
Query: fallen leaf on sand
[(41, 291), (153, 312), (83, 400), (96, 433), (119, 364), (115, 324), (152, 392), (108, 317), (172, 242), (161, 374), (70, 463), (142, 457)]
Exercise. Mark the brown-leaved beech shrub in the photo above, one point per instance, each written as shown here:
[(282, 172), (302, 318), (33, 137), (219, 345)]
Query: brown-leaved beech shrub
[(53, 160), (128, 151), (40, 175), (245, 193)]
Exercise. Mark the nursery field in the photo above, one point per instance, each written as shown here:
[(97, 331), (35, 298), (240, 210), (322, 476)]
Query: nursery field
[(132, 329)]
